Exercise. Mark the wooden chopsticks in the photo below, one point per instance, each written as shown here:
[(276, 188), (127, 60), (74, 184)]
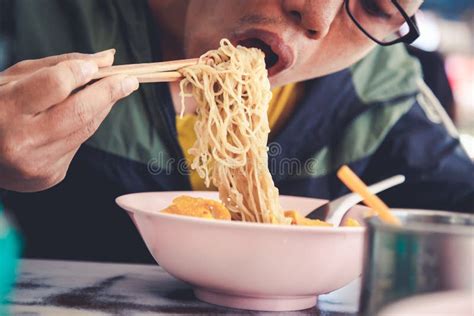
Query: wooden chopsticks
[(165, 71)]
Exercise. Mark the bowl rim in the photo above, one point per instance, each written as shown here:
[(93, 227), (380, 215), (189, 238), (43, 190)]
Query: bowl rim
[(238, 224)]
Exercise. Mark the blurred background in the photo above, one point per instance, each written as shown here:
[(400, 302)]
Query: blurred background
[(446, 51)]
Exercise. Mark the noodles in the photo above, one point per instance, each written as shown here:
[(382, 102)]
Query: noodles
[(215, 210), (232, 90)]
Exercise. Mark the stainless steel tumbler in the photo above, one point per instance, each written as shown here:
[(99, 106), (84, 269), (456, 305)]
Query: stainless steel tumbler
[(432, 251)]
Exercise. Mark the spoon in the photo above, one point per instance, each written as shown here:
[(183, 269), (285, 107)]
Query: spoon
[(333, 211)]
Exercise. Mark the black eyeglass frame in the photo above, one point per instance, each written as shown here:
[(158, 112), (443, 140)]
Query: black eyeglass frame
[(408, 38)]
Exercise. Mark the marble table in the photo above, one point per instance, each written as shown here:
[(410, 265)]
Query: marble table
[(46, 287)]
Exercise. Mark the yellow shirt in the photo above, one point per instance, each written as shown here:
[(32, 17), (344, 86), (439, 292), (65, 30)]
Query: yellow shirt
[(283, 101)]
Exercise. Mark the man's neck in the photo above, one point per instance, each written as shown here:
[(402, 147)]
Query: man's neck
[(170, 17)]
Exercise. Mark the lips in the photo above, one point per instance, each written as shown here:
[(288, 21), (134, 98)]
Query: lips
[(278, 55)]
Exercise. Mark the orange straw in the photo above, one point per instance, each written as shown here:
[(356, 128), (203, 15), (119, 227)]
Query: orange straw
[(353, 182)]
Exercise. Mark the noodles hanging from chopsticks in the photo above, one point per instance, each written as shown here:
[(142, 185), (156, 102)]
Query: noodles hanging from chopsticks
[(232, 90)]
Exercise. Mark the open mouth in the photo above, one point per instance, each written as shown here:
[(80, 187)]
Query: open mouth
[(271, 58), (278, 56)]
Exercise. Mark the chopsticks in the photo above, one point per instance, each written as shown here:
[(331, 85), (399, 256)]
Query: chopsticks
[(353, 182), (165, 71)]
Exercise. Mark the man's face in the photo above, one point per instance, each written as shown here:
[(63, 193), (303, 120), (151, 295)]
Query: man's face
[(301, 39)]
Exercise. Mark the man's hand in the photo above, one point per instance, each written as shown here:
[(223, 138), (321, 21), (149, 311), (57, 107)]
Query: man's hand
[(44, 118)]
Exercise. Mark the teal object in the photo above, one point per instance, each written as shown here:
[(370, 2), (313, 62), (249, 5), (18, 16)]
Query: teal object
[(10, 248)]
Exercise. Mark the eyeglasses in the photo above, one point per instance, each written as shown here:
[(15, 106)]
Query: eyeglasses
[(386, 22)]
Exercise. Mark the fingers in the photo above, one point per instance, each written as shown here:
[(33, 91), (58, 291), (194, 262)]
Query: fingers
[(50, 86), (41, 173), (74, 140), (56, 171), (102, 59), (79, 116)]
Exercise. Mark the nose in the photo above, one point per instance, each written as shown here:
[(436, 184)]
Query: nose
[(314, 17)]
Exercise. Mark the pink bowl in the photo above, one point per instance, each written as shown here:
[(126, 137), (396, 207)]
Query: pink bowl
[(247, 265)]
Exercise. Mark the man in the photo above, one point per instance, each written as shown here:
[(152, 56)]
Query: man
[(341, 99)]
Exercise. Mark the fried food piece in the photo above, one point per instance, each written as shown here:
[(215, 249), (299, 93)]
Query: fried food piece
[(297, 219), (198, 207), (201, 212)]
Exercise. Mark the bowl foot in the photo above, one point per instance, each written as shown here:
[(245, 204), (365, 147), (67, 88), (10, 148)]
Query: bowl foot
[(269, 303)]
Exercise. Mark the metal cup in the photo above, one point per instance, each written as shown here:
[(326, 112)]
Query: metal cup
[(431, 251)]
